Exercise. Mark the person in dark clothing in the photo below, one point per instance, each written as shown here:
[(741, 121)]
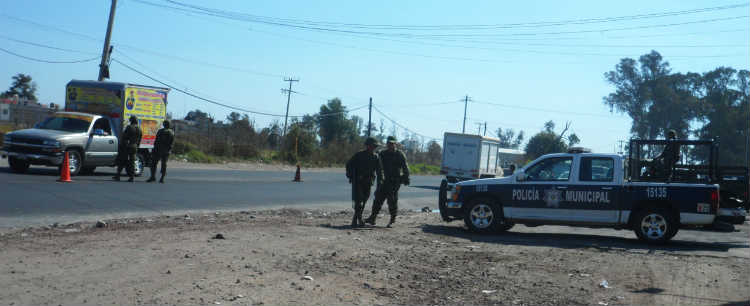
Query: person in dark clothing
[(162, 149), (128, 144), (362, 170), (669, 157), (396, 172)]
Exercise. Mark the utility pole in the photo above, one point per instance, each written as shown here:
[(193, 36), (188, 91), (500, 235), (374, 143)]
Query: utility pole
[(485, 128), (369, 119), (288, 98), (104, 66), (479, 128), (621, 142), (466, 102)]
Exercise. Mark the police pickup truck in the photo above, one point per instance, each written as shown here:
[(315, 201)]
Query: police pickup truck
[(580, 189)]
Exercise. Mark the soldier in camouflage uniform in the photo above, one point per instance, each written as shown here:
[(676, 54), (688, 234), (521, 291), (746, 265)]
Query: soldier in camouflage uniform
[(162, 148), (396, 172), (362, 170), (128, 144)]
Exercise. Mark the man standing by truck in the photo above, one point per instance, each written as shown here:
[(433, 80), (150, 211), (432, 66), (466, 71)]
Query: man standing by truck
[(130, 139), (396, 172), (362, 170), (162, 148)]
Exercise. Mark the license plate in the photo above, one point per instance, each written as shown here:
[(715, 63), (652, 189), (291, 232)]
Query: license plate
[(704, 208)]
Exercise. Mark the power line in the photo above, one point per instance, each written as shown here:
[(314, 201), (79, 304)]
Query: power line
[(400, 125), (219, 103), (43, 45), (558, 111), (453, 26), (240, 17), (49, 61)]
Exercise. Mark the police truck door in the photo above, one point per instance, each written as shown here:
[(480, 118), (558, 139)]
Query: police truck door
[(539, 195), (592, 197)]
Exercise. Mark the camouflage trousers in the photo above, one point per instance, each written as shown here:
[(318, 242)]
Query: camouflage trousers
[(388, 191)]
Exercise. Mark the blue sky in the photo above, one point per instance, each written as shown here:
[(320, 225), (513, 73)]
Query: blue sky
[(519, 78)]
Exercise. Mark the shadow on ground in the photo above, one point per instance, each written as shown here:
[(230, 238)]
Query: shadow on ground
[(575, 241)]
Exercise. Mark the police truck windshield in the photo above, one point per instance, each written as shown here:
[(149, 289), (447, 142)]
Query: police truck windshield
[(67, 124)]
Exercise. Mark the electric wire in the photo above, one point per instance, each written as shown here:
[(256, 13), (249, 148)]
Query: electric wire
[(49, 61), (220, 103), (464, 27)]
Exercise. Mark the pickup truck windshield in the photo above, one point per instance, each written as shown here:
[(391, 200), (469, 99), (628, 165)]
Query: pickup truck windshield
[(67, 124)]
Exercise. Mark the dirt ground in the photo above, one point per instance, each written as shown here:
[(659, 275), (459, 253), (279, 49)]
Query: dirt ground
[(312, 257)]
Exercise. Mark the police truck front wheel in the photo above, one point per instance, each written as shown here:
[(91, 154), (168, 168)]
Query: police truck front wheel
[(483, 215), (655, 225)]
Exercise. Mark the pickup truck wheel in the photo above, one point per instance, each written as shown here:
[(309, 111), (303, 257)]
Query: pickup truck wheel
[(655, 225), (17, 165), (442, 198), (483, 216), (74, 162)]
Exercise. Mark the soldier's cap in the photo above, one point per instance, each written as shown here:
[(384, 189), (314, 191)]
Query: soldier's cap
[(391, 139), (371, 141), (165, 123), (672, 134), (133, 119)]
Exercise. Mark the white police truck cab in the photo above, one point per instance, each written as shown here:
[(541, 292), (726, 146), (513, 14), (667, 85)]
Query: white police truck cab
[(579, 189)]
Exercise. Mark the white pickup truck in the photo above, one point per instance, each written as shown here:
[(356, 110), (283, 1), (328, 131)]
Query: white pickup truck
[(580, 189)]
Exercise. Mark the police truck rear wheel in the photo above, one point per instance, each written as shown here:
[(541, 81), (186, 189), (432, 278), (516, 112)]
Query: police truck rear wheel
[(655, 225), (482, 216)]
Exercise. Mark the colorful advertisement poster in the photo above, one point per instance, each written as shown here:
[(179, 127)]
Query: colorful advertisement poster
[(92, 100), (149, 106)]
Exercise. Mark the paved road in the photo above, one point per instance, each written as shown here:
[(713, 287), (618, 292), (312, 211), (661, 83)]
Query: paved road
[(36, 199)]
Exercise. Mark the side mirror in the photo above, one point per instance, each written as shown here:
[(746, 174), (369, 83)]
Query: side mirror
[(521, 177)]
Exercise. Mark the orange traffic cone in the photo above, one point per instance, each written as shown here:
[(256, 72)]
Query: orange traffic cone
[(65, 170), (297, 176)]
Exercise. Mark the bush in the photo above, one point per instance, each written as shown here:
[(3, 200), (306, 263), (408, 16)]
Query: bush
[(424, 169), (182, 147), (196, 156)]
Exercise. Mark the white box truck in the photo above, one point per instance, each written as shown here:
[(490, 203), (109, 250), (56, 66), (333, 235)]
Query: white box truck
[(467, 157)]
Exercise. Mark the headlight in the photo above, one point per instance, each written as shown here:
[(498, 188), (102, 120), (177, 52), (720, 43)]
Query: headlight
[(456, 191), (53, 143)]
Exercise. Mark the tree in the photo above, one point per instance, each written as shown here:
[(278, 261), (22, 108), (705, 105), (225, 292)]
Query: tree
[(655, 99), (724, 112), (333, 125), (509, 139), (434, 152), (22, 86), (546, 141)]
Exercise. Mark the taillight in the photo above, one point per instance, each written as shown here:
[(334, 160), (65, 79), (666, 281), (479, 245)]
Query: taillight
[(715, 200)]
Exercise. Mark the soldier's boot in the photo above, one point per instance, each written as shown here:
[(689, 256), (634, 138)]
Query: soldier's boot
[(371, 219), (116, 178), (131, 179), (151, 179), (161, 180), (393, 220), (355, 217)]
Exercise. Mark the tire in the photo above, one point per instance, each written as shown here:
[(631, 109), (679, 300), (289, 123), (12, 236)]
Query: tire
[(442, 198), (483, 215), (140, 164), (74, 162), (655, 225), (17, 165)]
